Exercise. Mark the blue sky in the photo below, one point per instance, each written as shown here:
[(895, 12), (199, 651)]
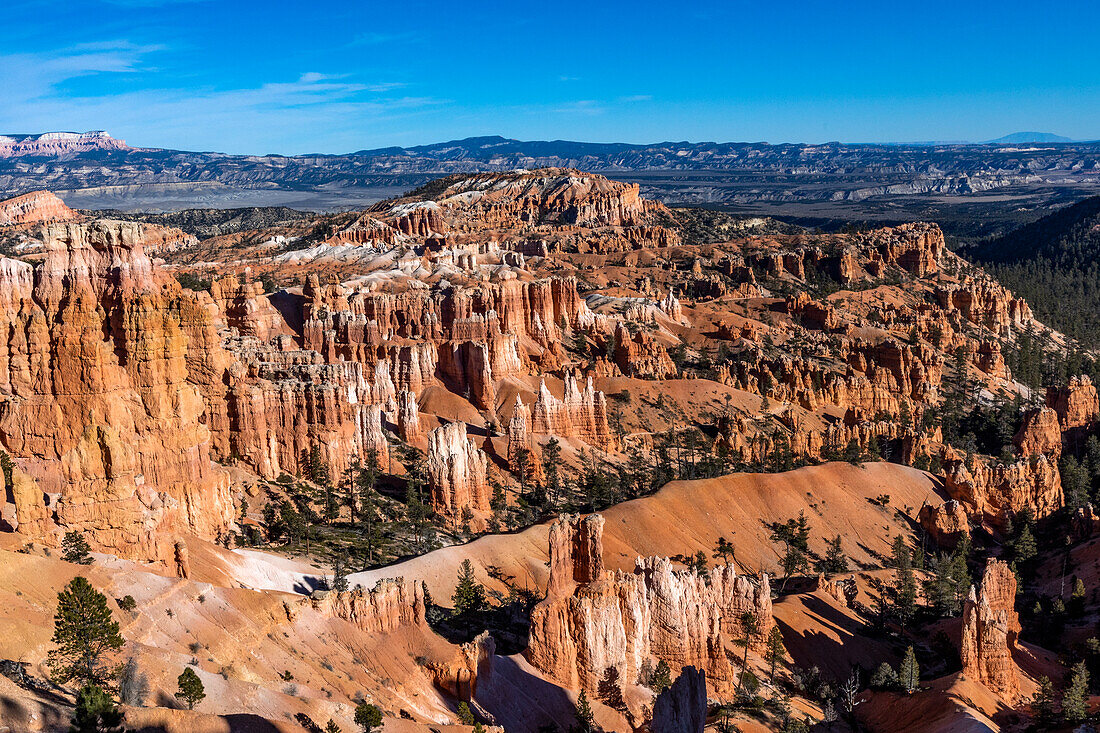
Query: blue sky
[(297, 77)]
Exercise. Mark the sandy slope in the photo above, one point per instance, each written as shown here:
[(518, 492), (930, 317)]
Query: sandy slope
[(686, 516)]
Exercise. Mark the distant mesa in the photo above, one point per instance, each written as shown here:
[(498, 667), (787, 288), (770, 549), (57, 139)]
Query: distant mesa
[(56, 144), (1031, 137)]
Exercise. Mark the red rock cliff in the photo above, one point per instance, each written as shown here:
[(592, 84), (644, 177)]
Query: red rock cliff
[(95, 400)]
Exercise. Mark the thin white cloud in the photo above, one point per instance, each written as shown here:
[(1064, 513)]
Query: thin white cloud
[(580, 107), (637, 98), (272, 115)]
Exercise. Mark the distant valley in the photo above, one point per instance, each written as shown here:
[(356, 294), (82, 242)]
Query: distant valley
[(973, 190)]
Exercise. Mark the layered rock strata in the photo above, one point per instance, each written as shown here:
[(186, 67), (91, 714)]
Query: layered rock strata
[(580, 414), (592, 621), (95, 400)]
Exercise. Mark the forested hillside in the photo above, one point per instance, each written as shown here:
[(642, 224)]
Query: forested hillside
[(1052, 263)]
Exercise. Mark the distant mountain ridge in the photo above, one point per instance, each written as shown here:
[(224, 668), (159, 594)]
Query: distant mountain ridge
[(1031, 137), (95, 170)]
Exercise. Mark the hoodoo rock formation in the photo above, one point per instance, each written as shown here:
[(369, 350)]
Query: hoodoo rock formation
[(990, 627), (1077, 403), (408, 417), (579, 414), (945, 523), (553, 333), (1040, 434), (640, 355), (591, 620), (98, 410), (457, 471), (991, 491)]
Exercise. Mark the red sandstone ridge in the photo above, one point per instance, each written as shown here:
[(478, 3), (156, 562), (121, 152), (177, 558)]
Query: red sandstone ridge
[(34, 208), (990, 627), (566, 208), (388, 606), (592, 620)]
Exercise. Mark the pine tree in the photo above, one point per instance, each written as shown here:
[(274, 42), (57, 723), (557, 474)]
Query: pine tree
[(698, 563), (1075, 704), (1044, 704), (750, 627), (465, 715), (905, 595), (1024, 549), (95, 712), (794, 534), (884, 678), (835, 561), (339, 575), (776, 651), (1075, 483), (610, 690), (901, 556), (74, 549), (469, 595), (368, 717), (86, 635), (909, 672), (191, 690), (585, 717), (370, 508), (332, 727), (1077, 598), (725, 550), (661, 679)]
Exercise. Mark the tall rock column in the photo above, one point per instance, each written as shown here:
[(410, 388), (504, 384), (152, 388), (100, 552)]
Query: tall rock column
[(990, 627), (457, 471), (408, 417)]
